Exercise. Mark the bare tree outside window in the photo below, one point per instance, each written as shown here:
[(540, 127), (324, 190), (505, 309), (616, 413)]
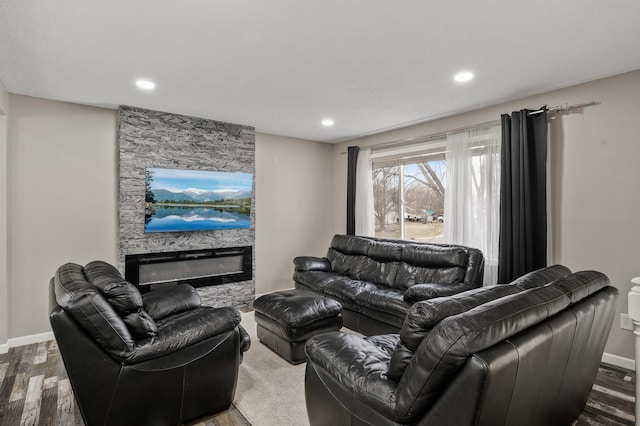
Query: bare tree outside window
[(422, 214), (386, 201)]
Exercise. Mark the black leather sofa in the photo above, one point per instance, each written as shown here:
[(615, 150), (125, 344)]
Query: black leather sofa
[(157, 359), (502, 355), (377, 280)]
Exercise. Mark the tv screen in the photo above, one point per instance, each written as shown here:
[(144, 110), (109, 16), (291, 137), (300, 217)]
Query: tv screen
[(196, 200)]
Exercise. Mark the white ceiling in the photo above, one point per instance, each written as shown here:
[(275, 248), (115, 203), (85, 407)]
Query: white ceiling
[(284, 65)]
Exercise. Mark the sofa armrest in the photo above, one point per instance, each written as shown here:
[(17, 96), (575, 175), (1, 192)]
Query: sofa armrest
[(171, 300), (359, 365), (245, 339), (420, 292), (311, 263)]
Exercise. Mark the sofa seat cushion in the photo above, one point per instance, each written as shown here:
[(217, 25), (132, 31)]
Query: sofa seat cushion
[(179, 331), (360, 365), (346, 291), (316, 280), (387, 301)]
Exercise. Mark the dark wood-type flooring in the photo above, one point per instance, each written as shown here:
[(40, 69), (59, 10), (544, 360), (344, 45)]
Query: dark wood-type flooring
[(35, 390)]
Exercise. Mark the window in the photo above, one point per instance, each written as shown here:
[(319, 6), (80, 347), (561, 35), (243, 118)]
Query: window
[(408, 191), (443, 190)]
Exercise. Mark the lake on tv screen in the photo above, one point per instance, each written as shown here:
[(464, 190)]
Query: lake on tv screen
[(176, 219)]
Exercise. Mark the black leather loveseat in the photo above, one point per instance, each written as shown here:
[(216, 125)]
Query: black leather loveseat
[(377, 280), (157, 359), (510, 354)]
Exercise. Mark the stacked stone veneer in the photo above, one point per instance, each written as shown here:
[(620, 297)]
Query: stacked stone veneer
[(158, 139)]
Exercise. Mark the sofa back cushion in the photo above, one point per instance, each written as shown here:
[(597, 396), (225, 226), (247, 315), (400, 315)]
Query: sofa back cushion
[(396, 263), (379, 272), (581, 284), (541, 277), (123, 296), (435, 256), (365, 259), (101, 274), (90, 309), (423, 316), (382, 263), (429, 263), (350, 265), (351, 244)]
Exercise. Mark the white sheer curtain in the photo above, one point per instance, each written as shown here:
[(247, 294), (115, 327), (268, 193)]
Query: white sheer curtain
[(364, 195), (472, 201)]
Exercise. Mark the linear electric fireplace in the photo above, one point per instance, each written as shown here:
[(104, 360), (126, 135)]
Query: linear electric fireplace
[(198, 268)]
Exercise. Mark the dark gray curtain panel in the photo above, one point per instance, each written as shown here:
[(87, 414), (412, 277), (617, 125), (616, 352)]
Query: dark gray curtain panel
[(352, 161), (523, 195)]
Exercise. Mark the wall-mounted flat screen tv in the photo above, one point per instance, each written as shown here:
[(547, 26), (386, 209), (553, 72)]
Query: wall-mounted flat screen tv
[(179, 200)]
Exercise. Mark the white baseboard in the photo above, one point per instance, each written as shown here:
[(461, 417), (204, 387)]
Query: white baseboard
[(25, 340), (619, 361)]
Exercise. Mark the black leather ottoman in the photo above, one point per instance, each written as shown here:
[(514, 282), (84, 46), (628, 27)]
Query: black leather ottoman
[(286, 319)]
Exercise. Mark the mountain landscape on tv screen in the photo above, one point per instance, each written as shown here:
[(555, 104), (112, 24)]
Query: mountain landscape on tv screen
[(199, 195), (196, 200)]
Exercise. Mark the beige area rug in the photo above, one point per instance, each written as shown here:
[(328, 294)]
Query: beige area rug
[(270, 391)]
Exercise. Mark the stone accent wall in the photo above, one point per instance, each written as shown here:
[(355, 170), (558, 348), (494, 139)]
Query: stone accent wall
[(158, 139)]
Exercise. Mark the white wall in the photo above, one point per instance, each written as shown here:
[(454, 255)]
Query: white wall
[(4, 289), (62, 193), (594, 179), (62, 199), (294, 195)]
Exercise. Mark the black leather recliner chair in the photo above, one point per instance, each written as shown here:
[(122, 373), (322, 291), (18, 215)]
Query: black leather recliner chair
[(157, 359)]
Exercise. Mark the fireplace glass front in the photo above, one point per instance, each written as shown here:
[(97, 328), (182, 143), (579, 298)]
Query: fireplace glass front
[(195, 267)]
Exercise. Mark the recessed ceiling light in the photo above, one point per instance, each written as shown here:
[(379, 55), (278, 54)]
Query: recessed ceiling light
[(327, 122), (463, 76), (145, 84)]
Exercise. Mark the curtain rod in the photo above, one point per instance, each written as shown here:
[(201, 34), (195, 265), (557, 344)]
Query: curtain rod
[(426, 138), (565, 107)]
